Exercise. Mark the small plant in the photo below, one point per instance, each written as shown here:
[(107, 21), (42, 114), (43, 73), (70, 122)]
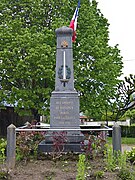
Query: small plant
[(121, 160), (115, 160), (81, 167), (59, 140), (3, 175), (110, 159), (125, 174), (131, 155), (49, 175), (27, 143), (93, 146), (3, 144), (99, 174)]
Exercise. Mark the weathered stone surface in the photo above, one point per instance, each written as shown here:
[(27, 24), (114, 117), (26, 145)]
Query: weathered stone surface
[(64, 102), (70, 136), (116, 137), (68, 147), (64, 60), (11, 146), (64, 110)]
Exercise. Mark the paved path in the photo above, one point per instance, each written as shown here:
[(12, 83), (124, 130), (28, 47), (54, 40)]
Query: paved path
[(126, 147)]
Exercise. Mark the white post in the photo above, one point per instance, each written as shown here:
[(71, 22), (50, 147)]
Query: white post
[(64, 65)]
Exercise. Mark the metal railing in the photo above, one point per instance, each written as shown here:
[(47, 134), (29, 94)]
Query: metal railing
[(12, 130)]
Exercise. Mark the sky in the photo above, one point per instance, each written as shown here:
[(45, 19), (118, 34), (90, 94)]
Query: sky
[(121, 17)]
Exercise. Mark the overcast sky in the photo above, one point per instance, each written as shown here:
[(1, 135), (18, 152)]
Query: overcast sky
[(121, 16)]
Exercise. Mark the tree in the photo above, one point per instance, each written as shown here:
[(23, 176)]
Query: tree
[(124, 100), (100, 65), (27, 54)]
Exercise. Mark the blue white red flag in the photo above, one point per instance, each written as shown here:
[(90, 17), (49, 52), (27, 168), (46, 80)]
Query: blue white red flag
[(73, 23)]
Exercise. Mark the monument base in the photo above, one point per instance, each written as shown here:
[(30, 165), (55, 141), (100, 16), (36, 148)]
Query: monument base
[(44, 147), (58, 141)]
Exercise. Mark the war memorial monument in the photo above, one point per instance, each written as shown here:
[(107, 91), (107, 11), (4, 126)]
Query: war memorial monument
[(64, 102)]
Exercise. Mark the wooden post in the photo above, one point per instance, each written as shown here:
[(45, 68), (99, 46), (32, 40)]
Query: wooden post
[(11, 146)]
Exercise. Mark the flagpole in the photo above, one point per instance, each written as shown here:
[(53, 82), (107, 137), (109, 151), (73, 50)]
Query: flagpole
[(73, 22)]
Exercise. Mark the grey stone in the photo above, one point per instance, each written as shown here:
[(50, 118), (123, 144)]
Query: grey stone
[(64, 102), (70, 136), (11, 146), (68, 147), (64, 110), (116, 137), (64, 50)]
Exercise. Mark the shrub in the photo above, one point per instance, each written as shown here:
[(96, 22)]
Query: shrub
[(59, 139), (81, 167), (115, 160), (99, 174), (27, 143), (131, 155), (93, 145), (3, 144), (125, 174), (128, 131), (3, 175), (109, 159)]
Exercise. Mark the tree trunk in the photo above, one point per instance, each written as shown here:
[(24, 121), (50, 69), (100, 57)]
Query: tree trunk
[(36, 115)]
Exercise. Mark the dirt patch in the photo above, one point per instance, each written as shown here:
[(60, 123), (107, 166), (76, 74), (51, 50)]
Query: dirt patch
[(58, 170), (64, 168), (45, 169)]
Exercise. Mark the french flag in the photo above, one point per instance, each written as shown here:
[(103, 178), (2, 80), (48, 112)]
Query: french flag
[(73, 23)]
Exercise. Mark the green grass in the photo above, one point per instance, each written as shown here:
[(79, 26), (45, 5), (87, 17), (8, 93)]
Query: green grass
[(124, 140)]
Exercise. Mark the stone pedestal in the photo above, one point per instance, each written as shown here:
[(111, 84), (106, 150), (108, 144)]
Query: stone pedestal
[(64, 114), (67, 147)]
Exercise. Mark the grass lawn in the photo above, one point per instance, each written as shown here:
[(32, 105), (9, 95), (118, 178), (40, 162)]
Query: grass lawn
[(124, 140)]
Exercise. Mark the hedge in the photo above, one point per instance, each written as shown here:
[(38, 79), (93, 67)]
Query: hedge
[(126, 131)]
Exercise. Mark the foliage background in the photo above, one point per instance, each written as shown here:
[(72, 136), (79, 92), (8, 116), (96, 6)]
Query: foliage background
[(27, 55)]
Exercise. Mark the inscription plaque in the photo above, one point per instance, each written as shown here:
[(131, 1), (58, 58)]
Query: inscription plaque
[(64, 110)]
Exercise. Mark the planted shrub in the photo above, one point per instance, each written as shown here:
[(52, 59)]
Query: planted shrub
[(128, 131), (122, 160), (131, 155), (59, 139), (93, 145), (4, 175), (115, 160), (81, 167), (99, 174), (27, 143), (125, 174), (109, 159), (3, 144)]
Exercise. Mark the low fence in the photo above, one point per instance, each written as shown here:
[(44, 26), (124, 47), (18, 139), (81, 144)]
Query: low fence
[(12, 130)]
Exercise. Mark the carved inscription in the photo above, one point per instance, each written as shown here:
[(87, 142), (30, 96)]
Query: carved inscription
[(64, 102), (64, 110)]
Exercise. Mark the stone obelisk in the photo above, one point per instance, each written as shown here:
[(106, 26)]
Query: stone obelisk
[(64, 105)]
